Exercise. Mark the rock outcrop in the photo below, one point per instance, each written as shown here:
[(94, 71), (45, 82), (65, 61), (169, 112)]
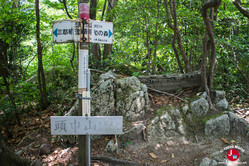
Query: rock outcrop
[(168, 124), (126, 96)]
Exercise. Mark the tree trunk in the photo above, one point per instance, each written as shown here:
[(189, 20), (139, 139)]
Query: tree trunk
[(176, 34), (8, 157), (155, 43), (108, 47), (242, 10), (209, 29), (95, 46), (41, 76), (148, 52)]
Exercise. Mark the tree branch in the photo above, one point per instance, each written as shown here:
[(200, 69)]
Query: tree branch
[(242, 10), (65, 5)]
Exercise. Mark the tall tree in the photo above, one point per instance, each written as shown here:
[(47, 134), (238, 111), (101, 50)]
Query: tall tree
[(174, 37), (108, 47), (177, 34), (95, 46), (208, 83), (41, 75)]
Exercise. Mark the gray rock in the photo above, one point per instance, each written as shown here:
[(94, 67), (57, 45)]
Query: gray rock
[(133, 133), (45, 149), (222, 104), (185, 109), (106, 76), (167, 122), (102, 103), (200, 107), (111, 147), (238, 125), (218, 95), (204, 95), (128, 95), (208, 162), (219, 126), (178, 120), (131, 98), (189, 117)]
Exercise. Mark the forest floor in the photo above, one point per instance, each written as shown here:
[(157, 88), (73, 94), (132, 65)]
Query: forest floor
[(35, 131)]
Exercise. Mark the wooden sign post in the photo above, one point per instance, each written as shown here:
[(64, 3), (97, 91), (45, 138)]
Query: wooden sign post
[(83, 31)]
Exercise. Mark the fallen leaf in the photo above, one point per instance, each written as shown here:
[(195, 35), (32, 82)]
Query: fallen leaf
[(163, 161), (47, 125), (33, 157), (224, 140), (233, 142), (43, 156), (173, 155), (153, 155)]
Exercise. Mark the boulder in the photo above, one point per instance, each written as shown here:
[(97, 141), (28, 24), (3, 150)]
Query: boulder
[(199, 107), (218, 96), (45, 149), (102, 103), (106, 76), (208, 162), (238, 125), (111, 147), (133, 133), (168, 124), (185, 109), (131, 98), (219, 126), (222, 105), (126, 96)]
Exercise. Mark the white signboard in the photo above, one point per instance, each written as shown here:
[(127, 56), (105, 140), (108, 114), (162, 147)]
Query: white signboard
[(102, 32), (83, 69), (66, 31), (82, 125)]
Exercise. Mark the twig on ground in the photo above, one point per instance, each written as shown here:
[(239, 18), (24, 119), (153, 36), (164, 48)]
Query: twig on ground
[(113, 160), (166, 93)]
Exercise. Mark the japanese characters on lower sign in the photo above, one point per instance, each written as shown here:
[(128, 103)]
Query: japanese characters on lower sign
[(82, 125)]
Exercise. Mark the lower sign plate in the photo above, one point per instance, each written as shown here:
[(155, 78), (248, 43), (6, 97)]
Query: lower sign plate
[(82, 125)]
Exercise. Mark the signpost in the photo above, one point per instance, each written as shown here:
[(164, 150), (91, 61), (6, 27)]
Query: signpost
[(83, 125), (83, 31), (67, 31)]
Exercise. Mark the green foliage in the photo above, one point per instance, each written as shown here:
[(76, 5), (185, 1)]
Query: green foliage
[(134, 40)]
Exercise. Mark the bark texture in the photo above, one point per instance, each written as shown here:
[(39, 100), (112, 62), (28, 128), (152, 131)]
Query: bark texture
[(41, 75), (8, 157), (242, 10), (171, 82)]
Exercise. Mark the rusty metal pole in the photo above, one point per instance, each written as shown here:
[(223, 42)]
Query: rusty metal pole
[(84, 140)]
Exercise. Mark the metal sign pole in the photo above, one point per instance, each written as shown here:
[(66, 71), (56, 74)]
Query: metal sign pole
[(84, 140)]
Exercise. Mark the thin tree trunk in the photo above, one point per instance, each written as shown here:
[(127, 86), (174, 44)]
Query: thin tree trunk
[(204, 70), (175, 35), (103, 11), (209, 29), (155, 43), (148, 52), (95, 46), (41, 75), (176, 54), (178, 34), (108, 47)]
